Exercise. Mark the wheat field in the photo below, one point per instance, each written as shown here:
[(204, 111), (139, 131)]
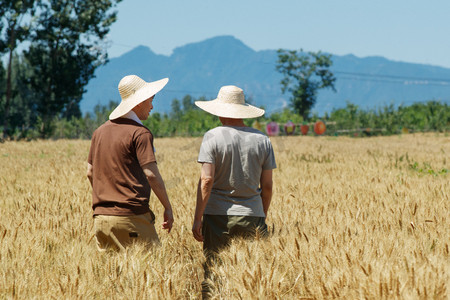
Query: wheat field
[(351, 218)]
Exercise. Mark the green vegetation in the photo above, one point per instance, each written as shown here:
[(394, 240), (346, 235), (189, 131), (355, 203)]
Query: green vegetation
[(64, 45), (185, 119), (418, 117), (427, 169), (304, 74)]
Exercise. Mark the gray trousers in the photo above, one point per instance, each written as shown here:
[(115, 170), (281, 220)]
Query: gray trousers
[(218, 231)]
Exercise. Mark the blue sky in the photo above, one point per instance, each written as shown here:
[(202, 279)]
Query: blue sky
[(402, 30)]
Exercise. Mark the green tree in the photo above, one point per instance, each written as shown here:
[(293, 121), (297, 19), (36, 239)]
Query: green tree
[(348, 117), (286, 115), (188, 103), (176, 108), (304, 74), (22, 115), (15, 22), (66, 48), (2, 79), (431, 115)]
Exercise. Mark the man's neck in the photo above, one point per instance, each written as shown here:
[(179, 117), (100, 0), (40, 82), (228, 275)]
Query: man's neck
[(232, 122)]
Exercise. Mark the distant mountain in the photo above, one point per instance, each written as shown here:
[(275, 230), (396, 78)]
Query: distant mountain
[(200, 69)]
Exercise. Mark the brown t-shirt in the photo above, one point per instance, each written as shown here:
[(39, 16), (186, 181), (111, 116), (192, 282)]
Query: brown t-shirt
[(118, 150)]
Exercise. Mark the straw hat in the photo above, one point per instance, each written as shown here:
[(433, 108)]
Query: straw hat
[(133, 90), (230, 103)]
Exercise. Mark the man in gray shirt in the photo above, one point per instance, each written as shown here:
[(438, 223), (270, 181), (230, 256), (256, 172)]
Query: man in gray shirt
[(235, 186)]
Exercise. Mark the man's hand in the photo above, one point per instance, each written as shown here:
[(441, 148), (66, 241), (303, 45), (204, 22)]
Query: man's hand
[(89, 173), (157, 185), (197, 230), (204, 188), (168, 220), (266, 189)]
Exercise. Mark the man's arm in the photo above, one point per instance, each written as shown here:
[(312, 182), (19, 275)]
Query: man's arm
[(89, 173), (205, 185), (157, 184), (266, 189)]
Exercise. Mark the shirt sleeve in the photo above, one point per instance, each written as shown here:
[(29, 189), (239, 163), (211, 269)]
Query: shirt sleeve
[(144, 148), (206, 154), (269, 162)]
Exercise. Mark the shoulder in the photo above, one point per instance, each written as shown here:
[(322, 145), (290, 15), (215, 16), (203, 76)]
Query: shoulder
[(142, 129), (104, 125), (132, 126), (215, 132), (256, 134), (101, 128), (261, 139), (256, 131), (142, 132)]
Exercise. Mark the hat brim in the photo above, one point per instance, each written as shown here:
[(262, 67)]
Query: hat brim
[(148, 90), (230, 110)]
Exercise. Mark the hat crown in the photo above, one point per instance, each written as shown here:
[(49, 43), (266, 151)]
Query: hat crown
[(230, 103), (129, 85), (231, 94)]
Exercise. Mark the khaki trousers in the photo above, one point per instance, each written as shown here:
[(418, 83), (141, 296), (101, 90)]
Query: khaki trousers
[(119, 232)]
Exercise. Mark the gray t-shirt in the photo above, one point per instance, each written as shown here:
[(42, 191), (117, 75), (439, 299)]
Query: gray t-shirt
[(239, 155)]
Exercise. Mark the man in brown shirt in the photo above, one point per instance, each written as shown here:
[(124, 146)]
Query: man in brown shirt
[(122, 170)]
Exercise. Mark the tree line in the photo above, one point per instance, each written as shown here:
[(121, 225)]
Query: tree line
[(185, 119)]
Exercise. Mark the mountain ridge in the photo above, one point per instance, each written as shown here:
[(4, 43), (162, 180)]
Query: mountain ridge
[(201, 68)]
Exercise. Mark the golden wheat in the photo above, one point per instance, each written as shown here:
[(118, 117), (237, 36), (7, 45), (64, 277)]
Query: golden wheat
[(350, 219)]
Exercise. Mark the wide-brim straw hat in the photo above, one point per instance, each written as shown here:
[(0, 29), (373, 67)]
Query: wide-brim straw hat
[(230, 103), (134, 90)]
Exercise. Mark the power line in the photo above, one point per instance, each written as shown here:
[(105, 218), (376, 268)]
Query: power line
[(399, 81), (393, 76), (122, 45), (190, 92), (406, 80)]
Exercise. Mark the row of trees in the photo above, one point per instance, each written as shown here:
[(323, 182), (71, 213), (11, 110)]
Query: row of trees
[(52, 48), (185, 119), (419, 117)]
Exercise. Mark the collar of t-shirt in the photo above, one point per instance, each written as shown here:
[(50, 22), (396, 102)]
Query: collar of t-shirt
[(132, 116)]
